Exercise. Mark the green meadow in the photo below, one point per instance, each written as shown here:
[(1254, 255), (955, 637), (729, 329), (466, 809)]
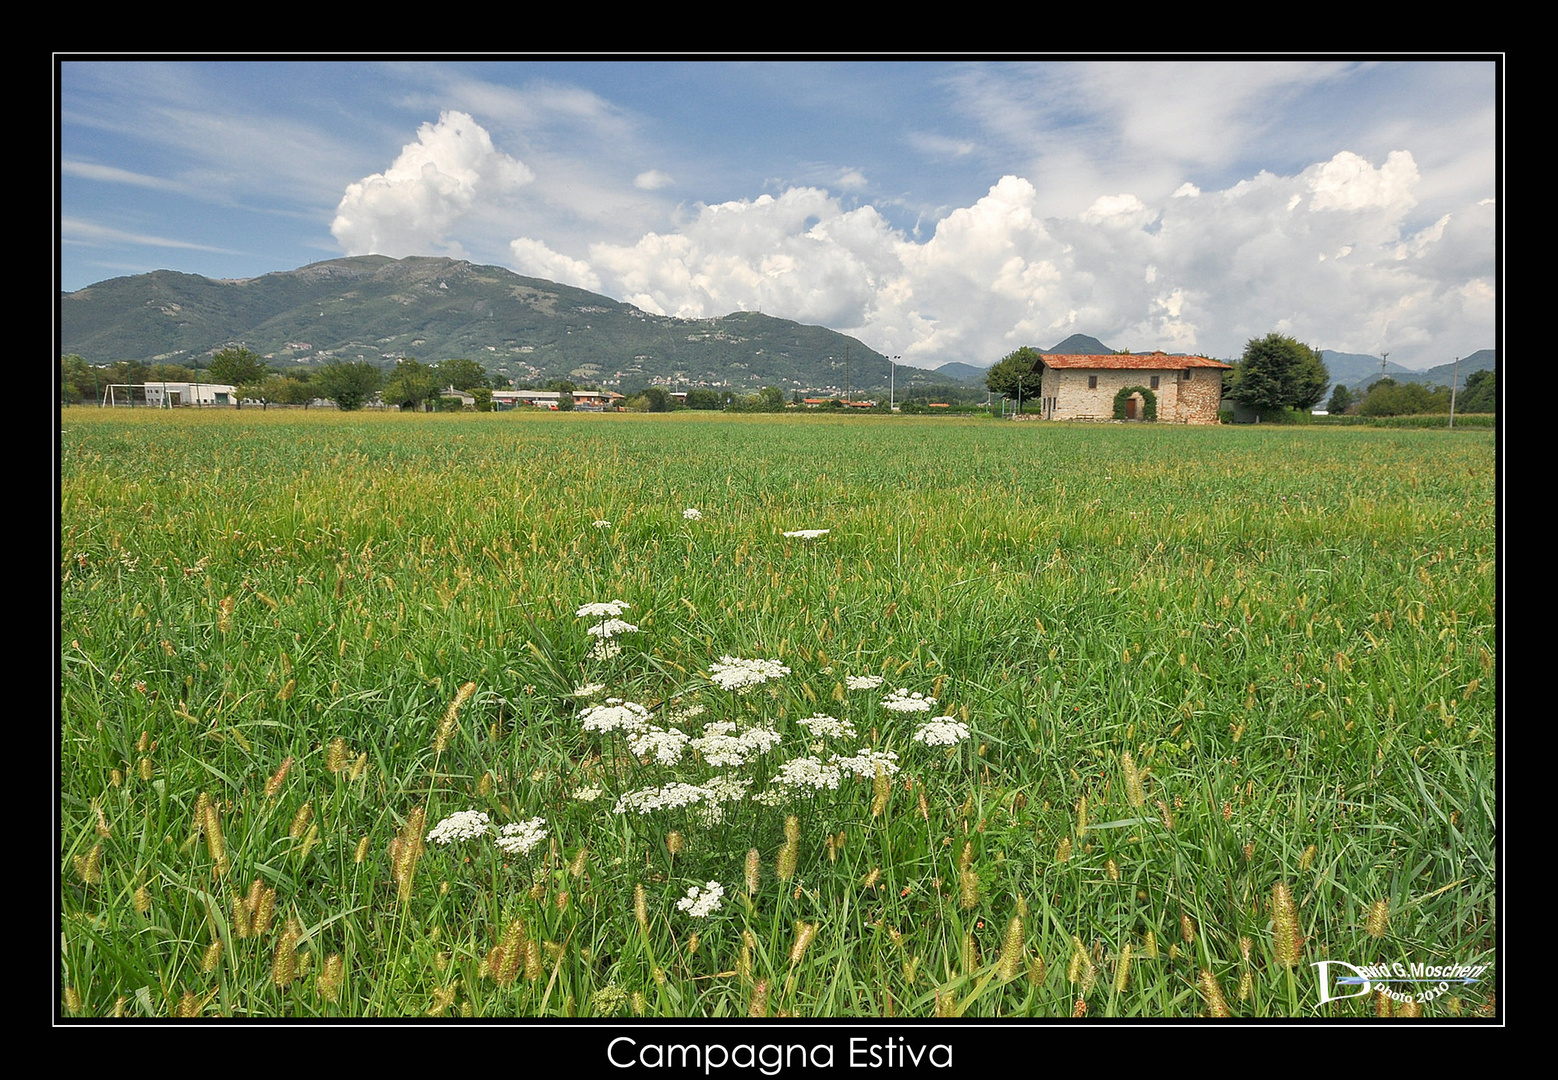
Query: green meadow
[(1198, 708)]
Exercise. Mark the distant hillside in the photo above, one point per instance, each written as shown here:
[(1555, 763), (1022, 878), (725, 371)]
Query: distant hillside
[(380, 309), (1358, 371), (1080, 345), (960, 373)]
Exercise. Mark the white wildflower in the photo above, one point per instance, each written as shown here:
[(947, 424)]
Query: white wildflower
[(727, 787), (943, 732), (670, 796), (867, 762), (705, 901), (807, 534), (862, 682), (588, 689), (692, 513), (602, 524), (774, 796), (588, 794), (615, 715), (808, 772), (465, 825), (734, 673), (720, 748), (611, 628), (604, 608), (520, 837), (605, 649), (682, 713), (903, 701), (828, 727), (665, 746)]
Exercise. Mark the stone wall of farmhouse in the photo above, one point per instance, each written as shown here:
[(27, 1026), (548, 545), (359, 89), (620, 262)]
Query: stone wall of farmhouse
[(1180, 400), (1201, 396)]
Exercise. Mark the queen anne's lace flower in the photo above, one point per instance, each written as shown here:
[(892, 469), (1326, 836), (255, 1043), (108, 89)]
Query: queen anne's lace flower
[(588, 689), (611, 628), (692, 513), (867, 762), (862, 682), (943, 732), (903, 701), (664, 745), (602, 524), (520, 837), (588, 794), (734, 673), (603, 609), (615, 715), (464, 825), (808, 772), (705, 901), (670, 796), (829, 727), (720, 746), (807, 534)]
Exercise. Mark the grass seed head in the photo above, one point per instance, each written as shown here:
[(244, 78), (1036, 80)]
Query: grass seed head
[(1287, 942), (754, 871), (1009, 966), (1212, 995), (1122, 970), (283, 968), (1379, 919)]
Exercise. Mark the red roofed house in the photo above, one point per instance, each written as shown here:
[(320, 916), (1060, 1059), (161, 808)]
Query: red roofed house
[(1144, 386)]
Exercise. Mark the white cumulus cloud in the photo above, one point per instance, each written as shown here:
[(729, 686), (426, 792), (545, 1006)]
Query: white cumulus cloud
[(411, 207)]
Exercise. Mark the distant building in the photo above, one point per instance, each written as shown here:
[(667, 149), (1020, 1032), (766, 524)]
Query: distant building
[(1169, 389), (168, 395)]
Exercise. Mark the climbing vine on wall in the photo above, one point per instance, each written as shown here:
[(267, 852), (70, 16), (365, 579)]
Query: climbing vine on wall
[(1149, 402)]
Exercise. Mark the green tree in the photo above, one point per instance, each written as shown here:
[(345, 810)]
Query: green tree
[(296, 389), (348, 384), (1276, 373), (658, 399), (1341, 400), (1014, 376), (78, 379), (704, 399), (240, 367), (770, 399), (1480, 394), (462, 375), (1387, 397), (410, 384)]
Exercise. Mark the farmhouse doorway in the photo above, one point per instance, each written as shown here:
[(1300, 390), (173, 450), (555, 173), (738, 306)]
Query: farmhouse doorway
[(1133, 407)]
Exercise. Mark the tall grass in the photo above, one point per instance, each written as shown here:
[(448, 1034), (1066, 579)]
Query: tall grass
[(1195, 665)]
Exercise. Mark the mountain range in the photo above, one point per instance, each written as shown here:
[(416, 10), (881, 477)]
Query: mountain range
[(523, 330)]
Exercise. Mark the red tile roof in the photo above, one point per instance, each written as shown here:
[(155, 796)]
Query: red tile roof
[(1156, 361)]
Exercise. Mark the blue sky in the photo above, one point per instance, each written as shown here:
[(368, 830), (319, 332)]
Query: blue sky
[(937, 210)]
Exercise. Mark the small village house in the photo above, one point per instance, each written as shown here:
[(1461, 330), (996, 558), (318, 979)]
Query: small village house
[(1147, 386)]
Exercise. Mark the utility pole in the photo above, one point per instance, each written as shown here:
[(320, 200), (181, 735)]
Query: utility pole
[(846, 373), (1455, 378), (892, 383)]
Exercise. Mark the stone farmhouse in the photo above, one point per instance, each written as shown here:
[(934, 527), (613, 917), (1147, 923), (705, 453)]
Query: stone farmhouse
[(1146, 386)]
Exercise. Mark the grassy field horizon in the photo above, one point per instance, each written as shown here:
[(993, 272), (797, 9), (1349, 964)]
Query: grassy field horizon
[(1208, 707)]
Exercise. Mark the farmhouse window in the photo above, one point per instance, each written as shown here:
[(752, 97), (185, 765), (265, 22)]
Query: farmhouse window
[(1187, 374), (1092, 382), (1155, 382)]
